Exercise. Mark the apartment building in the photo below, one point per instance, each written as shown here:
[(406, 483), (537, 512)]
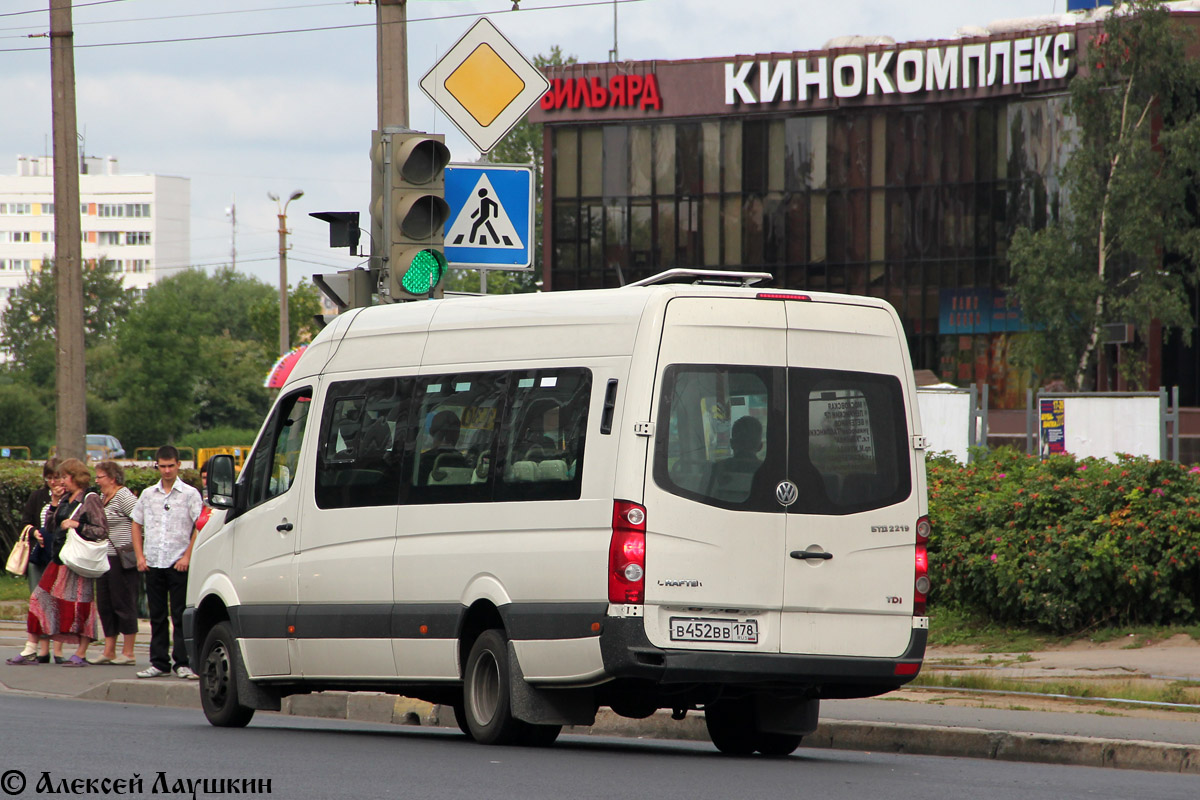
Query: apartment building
[(138, 222)]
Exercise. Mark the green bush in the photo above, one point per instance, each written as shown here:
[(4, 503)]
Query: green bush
[(1066, 544)]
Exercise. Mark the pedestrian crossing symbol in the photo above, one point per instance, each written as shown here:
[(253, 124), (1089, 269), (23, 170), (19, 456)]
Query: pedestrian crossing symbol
[(491, 216), (482, 221)]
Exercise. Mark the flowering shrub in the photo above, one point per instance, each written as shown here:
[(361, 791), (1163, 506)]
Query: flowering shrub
[(1066, 544)]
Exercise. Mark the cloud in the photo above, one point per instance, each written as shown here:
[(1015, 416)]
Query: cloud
[(236, 112)]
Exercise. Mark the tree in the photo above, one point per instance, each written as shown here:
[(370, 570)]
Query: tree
[(304, 303), (25, 420), (1124, 247), (190, 358), (29, 323), (522, 145)]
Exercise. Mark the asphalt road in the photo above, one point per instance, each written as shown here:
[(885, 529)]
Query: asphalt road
[(305, 758)]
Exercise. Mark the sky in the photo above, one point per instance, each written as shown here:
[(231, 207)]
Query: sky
[(285, 100)]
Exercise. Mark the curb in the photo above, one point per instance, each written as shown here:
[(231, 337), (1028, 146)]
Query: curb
[(877, 737)]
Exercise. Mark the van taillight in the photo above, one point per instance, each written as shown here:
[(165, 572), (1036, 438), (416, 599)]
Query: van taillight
[(921, 587), (627, 554)]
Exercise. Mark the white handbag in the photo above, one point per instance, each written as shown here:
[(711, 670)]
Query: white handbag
[(89, 559)]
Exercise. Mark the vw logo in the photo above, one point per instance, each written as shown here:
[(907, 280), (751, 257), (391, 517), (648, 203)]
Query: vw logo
[(786, 493)]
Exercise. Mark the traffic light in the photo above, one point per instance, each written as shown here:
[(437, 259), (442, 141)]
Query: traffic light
[(415, 211)]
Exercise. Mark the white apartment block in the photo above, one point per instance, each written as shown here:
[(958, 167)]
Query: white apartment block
[(138, 222)]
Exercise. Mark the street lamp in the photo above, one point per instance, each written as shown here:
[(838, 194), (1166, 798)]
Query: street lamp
[(283, 280)]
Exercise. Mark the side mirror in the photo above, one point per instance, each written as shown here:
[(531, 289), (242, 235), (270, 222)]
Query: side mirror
[(220, 481)]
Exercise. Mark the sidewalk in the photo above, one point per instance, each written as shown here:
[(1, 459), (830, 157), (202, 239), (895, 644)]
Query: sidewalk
[(919, 721)]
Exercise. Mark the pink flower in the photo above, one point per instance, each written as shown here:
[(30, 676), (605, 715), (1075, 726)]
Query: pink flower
[(1081, 468), (1194, 470), (993, 556), (1158, 492), (1002, 475)]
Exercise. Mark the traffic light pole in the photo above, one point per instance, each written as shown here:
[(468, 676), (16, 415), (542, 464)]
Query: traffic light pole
[(391, 70)]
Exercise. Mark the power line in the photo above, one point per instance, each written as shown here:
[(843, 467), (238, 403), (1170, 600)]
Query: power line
[(179, 16), (42, 10), (220, 36)]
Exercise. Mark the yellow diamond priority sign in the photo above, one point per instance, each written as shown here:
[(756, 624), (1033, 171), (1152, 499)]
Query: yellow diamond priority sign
[(484, 85)]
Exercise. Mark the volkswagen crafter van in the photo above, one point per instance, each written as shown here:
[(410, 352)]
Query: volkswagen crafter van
[(688, 493)]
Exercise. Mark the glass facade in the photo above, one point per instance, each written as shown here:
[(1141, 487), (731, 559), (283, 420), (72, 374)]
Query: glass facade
[(911, 204)]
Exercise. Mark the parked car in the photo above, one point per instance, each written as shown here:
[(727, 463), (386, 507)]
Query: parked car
[(101, 446)]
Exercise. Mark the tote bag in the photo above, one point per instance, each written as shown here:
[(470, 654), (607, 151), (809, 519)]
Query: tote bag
[(89, 559), (18, 557)]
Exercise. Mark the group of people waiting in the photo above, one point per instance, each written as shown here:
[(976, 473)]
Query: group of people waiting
[(150, 535)]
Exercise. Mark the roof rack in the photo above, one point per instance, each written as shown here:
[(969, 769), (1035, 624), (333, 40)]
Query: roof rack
[(705, 276)]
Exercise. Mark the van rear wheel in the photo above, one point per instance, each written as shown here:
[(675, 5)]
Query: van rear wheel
[(486, 706), (734, 730), (731, 728), (777, 745), (218, 680)]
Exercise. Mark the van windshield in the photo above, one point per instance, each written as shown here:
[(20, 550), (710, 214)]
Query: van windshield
[(730, 434)]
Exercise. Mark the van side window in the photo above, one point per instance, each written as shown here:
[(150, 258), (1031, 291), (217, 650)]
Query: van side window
[(851, 441), (361, 449), (543, 435), (272, 469), (721, 435), (456, 422)]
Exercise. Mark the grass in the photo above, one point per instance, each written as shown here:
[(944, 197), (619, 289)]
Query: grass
[(950, 626), (1143, 690), (13, 587)]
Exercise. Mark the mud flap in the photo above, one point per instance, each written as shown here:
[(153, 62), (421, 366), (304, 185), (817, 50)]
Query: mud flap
[(251, 694), (547, 706), (777, 715)]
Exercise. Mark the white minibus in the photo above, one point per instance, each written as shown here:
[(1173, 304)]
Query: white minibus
[(689, 493)]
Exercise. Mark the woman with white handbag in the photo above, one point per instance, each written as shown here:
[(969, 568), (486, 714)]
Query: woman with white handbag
[(62, 607)]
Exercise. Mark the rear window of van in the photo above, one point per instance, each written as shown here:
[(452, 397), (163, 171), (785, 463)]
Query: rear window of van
[(728, 435)]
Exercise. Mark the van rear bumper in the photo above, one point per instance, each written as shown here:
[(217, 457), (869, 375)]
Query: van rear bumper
[(627, 653)]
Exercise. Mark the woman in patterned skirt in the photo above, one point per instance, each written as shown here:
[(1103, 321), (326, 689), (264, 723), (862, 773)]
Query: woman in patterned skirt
[(62, 607)]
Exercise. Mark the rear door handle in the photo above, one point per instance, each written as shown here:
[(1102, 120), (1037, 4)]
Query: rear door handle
[(804, 555), (283, 527)]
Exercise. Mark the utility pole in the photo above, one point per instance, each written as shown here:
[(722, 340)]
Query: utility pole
[(391, 70), (284, 346), (613, 55), (232, 212), (70, 408)]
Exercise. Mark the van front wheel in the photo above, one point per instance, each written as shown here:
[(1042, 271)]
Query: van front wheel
[(218, 680), (485, 692)]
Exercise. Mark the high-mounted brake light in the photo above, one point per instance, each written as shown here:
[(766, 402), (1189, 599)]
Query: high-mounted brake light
[(627, 554), (781, 296), (921, 585)]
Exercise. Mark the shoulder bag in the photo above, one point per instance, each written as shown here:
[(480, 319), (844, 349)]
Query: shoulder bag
[(18, 557), (89, 559)]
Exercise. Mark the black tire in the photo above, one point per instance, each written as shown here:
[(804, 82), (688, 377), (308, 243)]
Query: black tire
[(460, 717), (777, 745), (485, 692), (539, 735), (731, 728), (218, 680)]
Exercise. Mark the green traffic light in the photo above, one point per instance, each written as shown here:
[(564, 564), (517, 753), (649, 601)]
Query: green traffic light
[(424, 273)]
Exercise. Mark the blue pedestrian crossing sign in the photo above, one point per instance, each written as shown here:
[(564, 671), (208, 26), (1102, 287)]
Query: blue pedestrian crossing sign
[(491, 216)]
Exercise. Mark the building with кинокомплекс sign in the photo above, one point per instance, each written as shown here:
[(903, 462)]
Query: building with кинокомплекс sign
[(897, 170)]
